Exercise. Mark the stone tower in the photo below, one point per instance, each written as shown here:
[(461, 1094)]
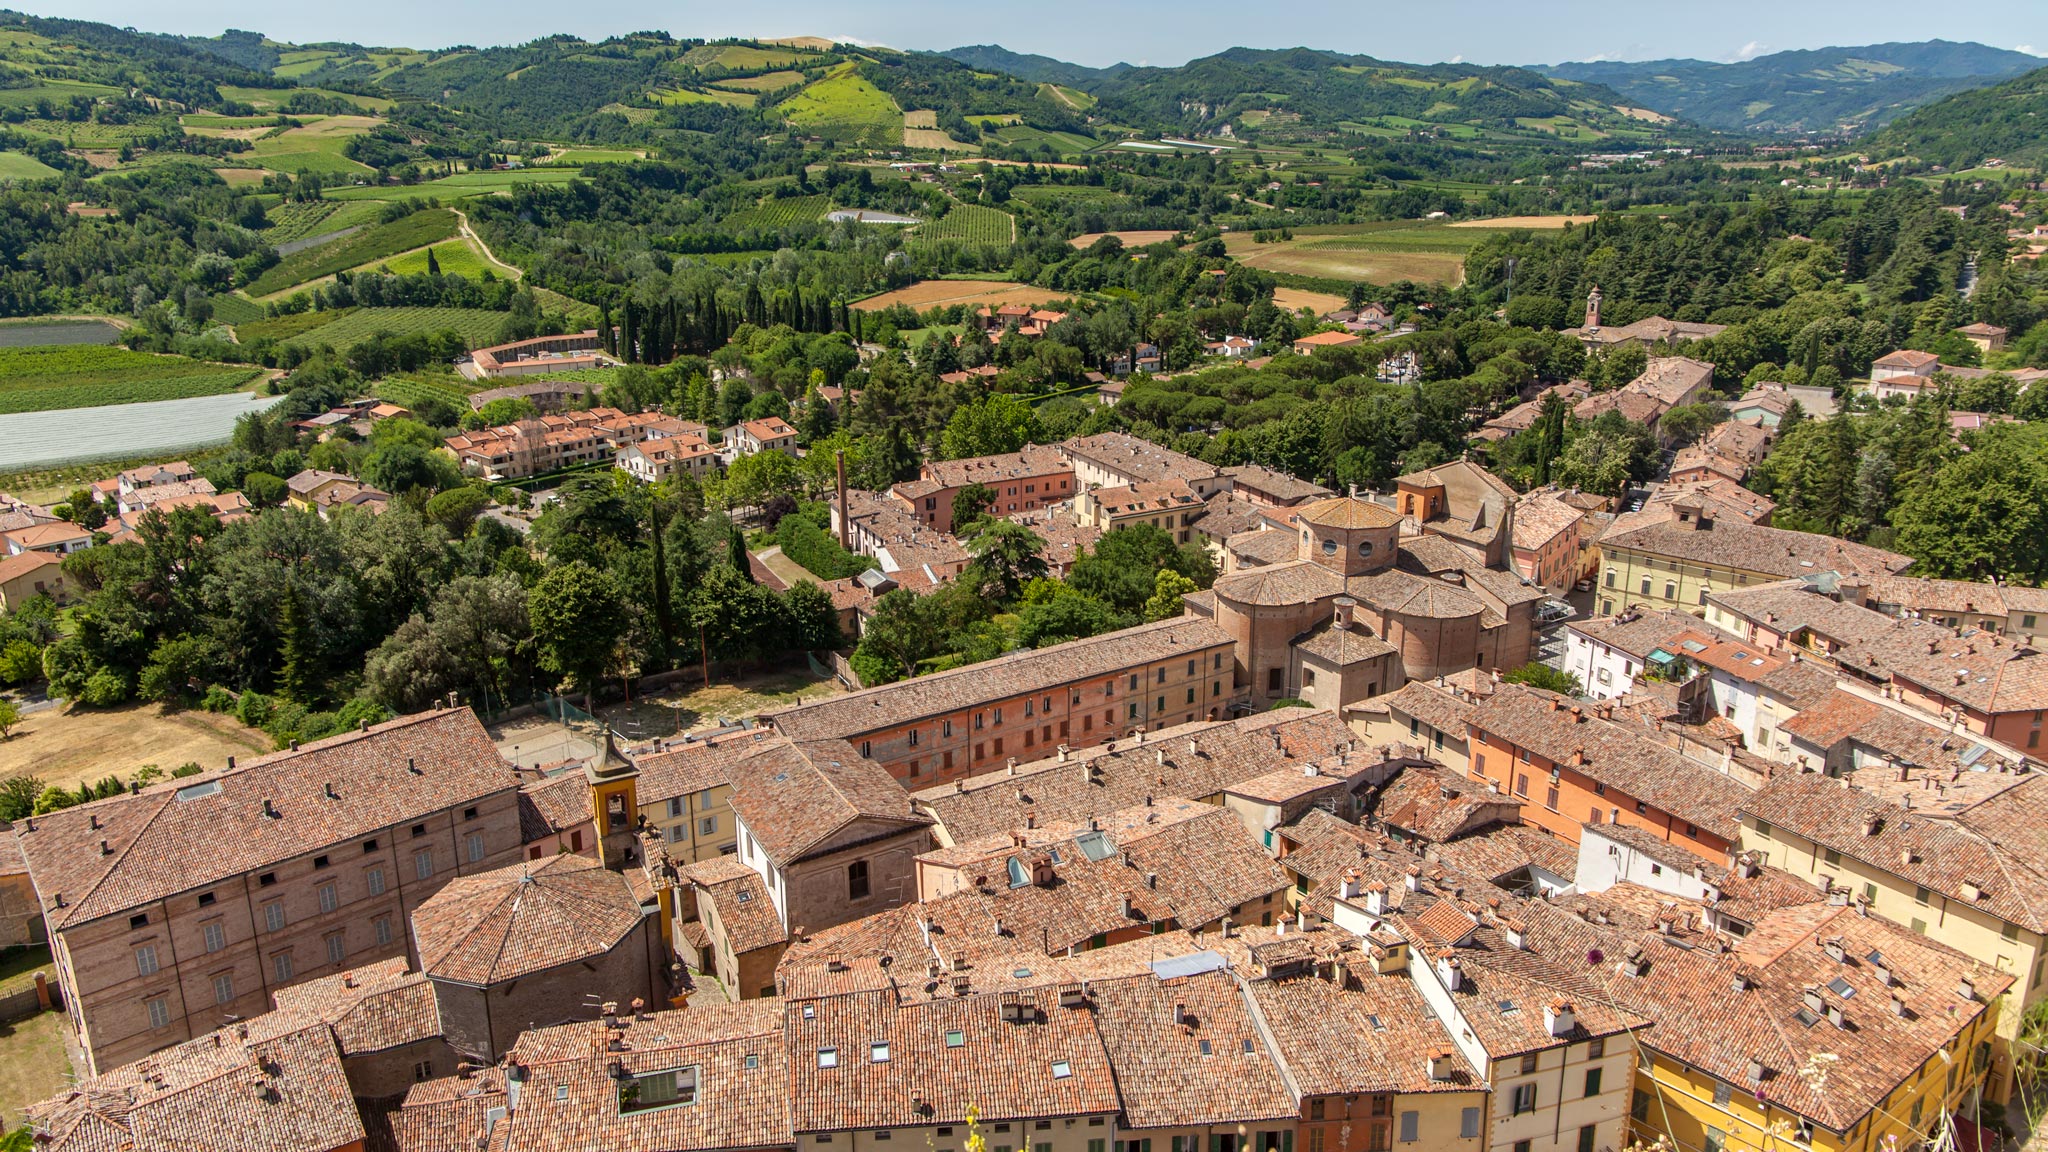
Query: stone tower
[(1593, 307)]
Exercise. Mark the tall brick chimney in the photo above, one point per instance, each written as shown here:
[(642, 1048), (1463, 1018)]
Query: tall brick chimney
[(844, 515)]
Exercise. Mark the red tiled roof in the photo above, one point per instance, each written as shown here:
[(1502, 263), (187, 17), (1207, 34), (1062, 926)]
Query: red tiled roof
[(194, 831), (496, 926)]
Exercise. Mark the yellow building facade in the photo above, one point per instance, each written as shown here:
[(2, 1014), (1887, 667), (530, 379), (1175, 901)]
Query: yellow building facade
[(1972, 931), (1696, 1112), (1631, 576)]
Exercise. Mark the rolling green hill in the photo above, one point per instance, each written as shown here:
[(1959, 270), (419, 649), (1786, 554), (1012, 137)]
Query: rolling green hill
[(1807, 91)]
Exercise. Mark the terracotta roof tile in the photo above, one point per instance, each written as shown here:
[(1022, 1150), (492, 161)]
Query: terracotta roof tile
[(1613, 754), (794, 796), (943, 693), (372, 1007), (274, 1084), (1753, 548), (159, 844), (1195, 761), (1214, 1068), (495, 926)]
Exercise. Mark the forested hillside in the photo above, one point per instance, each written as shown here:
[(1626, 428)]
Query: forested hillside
[(2008, 122)]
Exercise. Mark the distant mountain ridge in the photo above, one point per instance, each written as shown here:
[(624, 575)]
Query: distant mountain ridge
[(1809, 90), (1033, 67), (1248, 86)]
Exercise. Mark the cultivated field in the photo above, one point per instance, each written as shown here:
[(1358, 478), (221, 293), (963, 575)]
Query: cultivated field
[(844, 106), (971, 224), (61, 746), (414, 231), (595, 156), (285, 327), (316, 147), (457, 187), (136, 433), (745, 58), (921, 130), (780, 212), (933, 293), (454, 257), (47, 378), (412, 391), (1137, 238), (265, 99), (765, 82), (31, 333), (1500, 222), (1318, 302), (1042, 194), (21, 166), (1380, 254), (475, 325)]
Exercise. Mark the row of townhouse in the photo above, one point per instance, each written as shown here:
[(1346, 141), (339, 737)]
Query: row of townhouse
[(550, 442)]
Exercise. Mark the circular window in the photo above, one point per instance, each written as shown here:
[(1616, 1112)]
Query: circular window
[(1329, 547), (1365, 547)]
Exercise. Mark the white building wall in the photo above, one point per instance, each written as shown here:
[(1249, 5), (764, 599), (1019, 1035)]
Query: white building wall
[(1605, 672)]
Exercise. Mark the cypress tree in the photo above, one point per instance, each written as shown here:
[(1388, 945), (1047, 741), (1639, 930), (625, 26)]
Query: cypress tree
[(736, 552)]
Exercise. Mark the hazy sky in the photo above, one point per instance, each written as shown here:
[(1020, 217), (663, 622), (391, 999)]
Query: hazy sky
[(1141, 31)]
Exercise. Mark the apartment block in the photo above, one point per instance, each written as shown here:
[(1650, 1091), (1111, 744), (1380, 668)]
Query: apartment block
[(1037, 476), (1575, 765), (185, 905), (967, 721)]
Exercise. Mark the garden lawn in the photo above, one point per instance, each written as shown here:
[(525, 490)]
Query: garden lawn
[(33, 1062), (47, 378)]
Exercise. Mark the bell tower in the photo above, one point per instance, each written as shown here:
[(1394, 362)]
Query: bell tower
[(1593, 307)]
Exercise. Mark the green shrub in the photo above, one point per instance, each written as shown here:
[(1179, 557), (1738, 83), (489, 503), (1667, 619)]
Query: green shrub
[(105, 688), (807, 542), (218, 699), (20, 663), (254, 709)]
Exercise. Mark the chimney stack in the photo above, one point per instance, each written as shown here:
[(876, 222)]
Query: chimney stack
[(844, 516), (1558, 1018)]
